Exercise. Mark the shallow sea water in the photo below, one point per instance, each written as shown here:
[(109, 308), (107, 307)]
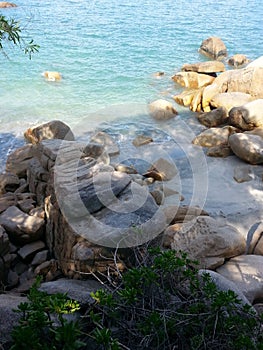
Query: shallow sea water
[(107, 52)]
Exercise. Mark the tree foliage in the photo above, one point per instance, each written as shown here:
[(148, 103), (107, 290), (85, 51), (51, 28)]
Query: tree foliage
[(10, 32)]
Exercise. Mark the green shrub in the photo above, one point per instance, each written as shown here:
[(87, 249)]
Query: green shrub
[(42, 325)]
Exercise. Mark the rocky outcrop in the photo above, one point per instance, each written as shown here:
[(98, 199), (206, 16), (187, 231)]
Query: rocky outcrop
[(192, 80), (229, 100), (208, 67), (213, 47)]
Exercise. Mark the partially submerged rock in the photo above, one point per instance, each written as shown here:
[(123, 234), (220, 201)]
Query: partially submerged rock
[(162, 110), (213, 47), (55, 129), (6, 4), (238, 60)]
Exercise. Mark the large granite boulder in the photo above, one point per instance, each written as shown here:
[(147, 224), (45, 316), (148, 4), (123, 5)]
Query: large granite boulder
[(246, 271), (192, 80), (208, 240), (229, 100), (208, 67), (247, 116), (247, 80), (54, 129), (247, 147), (214, 136), (214, 48)]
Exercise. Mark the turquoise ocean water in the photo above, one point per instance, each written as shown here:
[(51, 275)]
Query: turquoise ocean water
[(107, 52)]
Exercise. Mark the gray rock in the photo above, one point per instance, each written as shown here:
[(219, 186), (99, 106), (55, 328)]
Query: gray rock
[(225, 284), (162, 110), (243, 174), (8, 182), (246, 271), (17, 162), (214, 118), (29, 250), (8, 318), (75, 289), (107, 141), (40, 257)]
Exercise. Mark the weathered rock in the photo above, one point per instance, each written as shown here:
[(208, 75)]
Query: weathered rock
[(229, 100), (247, 116), (238, 60), (54, 129), (221, 151), (247, 147), (104, 139), (48, 269), (257, 131), (214, 136), (7, 200), (185, 98), (29, 250), (214, 118), (52, 76), (175, 214), (196, 104), (21, 227), (162, 110), (213, 47), (204, 67), (17, 162), (192, 80), (254, 239), (246, 271), (225, 285), (6, 4), (208, 240), (141, 140), (8, 317), (247, 80), (162, 170), (8, 183), (93, 150), (158, 196), (4, 242), (76, 290), (40, 257), (4, 250), (242, 174), (12, 279)]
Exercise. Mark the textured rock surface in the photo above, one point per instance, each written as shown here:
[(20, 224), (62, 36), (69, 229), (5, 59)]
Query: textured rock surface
[(213, 47), (238, 60), (214, 118), (204, 67), (247, 147), (192, 80), (162, 110), (208, 240), (229, 100), (246, 271), (248, 116), (214, 136)]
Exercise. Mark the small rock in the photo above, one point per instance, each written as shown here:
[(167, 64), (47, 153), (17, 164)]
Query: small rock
[(107, 142), (162, 170), (52, 76), (6, 4), (141, 140), (125, 169), (29, 250), (242, 174), (7, 200), (162, 110), (40, 257), (158, 196), (12, 279), (4, 242), (238, 60)]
